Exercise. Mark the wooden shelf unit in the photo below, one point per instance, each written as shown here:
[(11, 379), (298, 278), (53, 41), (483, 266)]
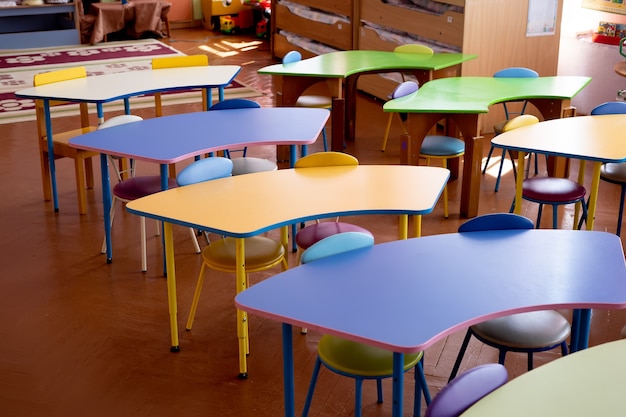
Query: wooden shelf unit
[(493, 30), (39, 26)]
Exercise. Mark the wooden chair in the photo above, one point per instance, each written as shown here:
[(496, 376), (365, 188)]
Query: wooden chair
[(131, 187), (535, 331), (261, 253), (548, 190), (86, 22), (179, 62), (352, 359), (310, 100), (404, 89), (614, 173), (83, 164), (509, 113), (244, 164), (433, 146), (311, 234)]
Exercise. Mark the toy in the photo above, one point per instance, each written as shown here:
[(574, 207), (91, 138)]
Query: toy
[(213, 9), (237, 22), (261, 28)]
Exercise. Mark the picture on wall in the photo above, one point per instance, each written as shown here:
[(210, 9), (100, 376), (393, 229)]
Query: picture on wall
[(611, 6)]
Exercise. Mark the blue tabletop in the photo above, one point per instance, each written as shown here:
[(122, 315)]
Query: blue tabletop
[(369, 295), (169, 139)]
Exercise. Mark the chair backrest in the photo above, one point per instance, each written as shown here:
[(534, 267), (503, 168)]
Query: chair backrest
[(610, 107), (325, 159), (121, 170), (404, 89), (180, 61), (292, 56), (119, 120), (466, 389), (496, 221), (520, 121), (55, 77), (59, 75), (515, 72), (414, 48), (235, 103), (205, 170), (335, 244)]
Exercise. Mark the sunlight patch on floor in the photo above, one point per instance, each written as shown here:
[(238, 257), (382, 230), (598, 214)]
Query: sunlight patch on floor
[(494, 165)]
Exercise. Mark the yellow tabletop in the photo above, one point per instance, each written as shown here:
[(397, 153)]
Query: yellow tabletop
[(311, 193), (247, 205), (598, 139), (587, 383)]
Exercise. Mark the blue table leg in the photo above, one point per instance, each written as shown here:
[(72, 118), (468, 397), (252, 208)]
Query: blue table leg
[(51, 164), (398, 384), (164, 168), (585, 325), (100, 113), (126, 106), (106, 201), (575, 334), (288, 378)]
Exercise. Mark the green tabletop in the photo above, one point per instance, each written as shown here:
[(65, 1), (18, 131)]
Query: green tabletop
[(465, 101), (476, 94), (343, 64)]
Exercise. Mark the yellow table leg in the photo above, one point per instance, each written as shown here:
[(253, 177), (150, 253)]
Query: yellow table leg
[(581, 181), (593, 196), (417, 225), (284, 240), (519, 183), (242, 317), (171, 284), (403, 226)]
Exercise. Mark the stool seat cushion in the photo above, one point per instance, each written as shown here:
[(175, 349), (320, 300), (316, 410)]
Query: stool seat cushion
[(311, 234), (137, 187), (360, 359), (437, 145), (550, 189), (535, 329), (323, 102), (261, 253), (249, 165), (613, 172)]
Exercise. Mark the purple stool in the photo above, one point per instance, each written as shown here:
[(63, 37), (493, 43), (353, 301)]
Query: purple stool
[(466, 389)]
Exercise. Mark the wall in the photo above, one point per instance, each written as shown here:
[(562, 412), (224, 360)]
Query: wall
[(579, 56), (183, 11)]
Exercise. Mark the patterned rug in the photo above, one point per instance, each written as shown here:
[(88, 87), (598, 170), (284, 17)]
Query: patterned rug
[(18, 67)]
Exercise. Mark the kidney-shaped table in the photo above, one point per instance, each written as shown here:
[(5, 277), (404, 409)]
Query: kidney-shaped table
[(247, 205), (410, 294)]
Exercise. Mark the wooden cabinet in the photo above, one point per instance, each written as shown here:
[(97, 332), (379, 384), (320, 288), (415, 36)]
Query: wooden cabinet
[(38, 26), (495, 30), (311, 26)]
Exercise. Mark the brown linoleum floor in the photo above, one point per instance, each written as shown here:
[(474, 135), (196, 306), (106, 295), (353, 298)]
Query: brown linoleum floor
[(80, 337)]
